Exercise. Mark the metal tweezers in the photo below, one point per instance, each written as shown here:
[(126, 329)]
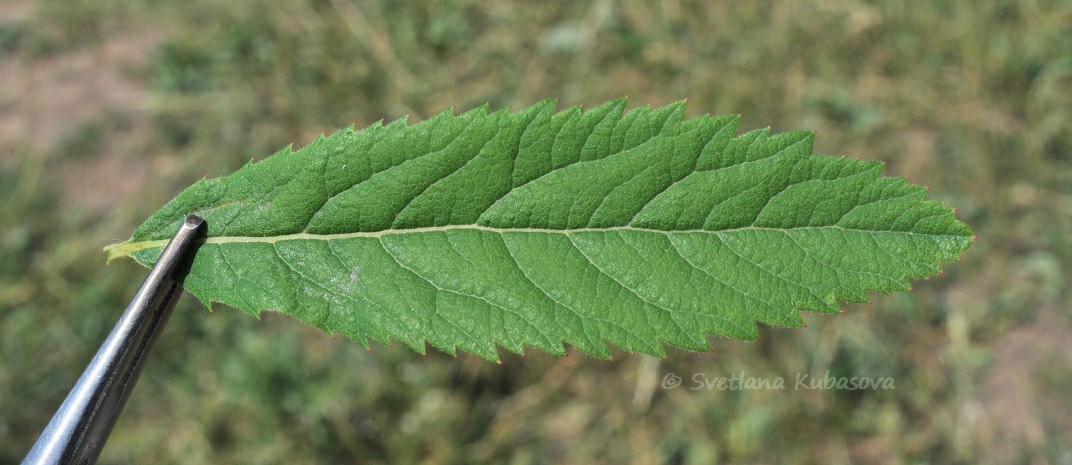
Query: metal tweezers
[(80, 427)]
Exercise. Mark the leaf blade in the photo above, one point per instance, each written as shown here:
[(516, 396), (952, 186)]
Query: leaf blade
[(535, 228)]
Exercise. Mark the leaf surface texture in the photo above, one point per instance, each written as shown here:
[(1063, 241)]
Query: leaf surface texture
[(533, 228)]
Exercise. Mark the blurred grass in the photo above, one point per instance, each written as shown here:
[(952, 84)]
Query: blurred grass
[(109, 108)]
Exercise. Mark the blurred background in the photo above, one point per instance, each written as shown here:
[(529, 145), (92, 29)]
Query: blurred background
[(109, 108)]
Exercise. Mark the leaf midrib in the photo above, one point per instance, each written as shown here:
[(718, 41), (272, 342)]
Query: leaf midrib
[(127, 248)]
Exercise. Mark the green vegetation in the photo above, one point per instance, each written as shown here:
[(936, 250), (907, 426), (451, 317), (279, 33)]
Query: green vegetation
[(532, 228), (108, 109)]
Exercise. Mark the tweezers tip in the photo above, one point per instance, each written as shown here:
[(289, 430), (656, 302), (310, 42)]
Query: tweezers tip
[(193, 222)]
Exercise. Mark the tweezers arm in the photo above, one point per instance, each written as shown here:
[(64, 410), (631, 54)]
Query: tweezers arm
[(80, 427)]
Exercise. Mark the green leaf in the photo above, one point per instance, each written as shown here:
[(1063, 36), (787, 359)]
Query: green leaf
[(536, 228)]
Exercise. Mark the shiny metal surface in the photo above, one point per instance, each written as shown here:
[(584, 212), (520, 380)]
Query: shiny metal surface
[(81, 425)]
